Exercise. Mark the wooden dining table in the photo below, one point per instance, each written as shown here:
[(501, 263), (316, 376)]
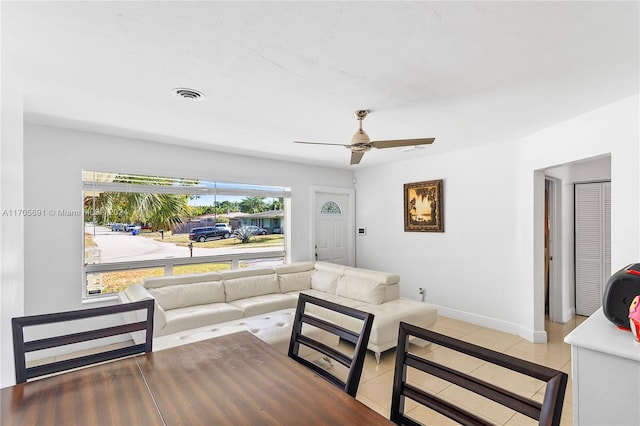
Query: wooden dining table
[(235, 379)]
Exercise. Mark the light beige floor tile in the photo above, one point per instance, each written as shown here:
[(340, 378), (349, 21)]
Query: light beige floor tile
[(383, 411), (517, 383), (521, 420), (453, 359), (477, 404), (492, 339), (378, 389), (377, 379), (429, 417), (454, 328)]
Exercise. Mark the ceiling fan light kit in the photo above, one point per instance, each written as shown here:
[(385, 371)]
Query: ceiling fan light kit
[(361, 143)]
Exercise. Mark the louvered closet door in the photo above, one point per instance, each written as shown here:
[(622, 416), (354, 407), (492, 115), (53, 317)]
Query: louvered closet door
[(592, 245)]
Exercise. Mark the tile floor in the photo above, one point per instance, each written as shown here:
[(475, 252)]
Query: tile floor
[(377, 380)]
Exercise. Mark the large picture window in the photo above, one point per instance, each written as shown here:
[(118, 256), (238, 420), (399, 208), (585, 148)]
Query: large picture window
[(140, 226)]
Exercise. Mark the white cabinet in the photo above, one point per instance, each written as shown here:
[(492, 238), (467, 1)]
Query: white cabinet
[(605, 368)]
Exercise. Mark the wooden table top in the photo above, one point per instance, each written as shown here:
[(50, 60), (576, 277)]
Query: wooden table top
[(113, 393), (235, 379)]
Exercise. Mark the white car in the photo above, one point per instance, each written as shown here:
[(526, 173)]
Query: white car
[(223, 226)]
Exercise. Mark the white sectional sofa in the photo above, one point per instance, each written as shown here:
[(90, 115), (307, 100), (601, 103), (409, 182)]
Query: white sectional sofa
[(194, 302)]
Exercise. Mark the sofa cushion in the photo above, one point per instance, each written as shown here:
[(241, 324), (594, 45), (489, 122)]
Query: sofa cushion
[(258, 305), (387, 317), (363, 288), (296, 281), (183, 295), (325, 276), (382, 277), (250, 286), (293, 267), (198, 316)]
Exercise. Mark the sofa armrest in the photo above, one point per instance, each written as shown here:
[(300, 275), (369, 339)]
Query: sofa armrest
[(136, 292)]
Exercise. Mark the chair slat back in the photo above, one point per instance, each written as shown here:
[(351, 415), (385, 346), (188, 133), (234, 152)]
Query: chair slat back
[(22, 347), (354, 362), (547, 413)]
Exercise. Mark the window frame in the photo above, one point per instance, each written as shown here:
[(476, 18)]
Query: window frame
[(204, 187)]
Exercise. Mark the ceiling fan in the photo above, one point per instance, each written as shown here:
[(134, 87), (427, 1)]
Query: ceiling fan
[(361, 143)]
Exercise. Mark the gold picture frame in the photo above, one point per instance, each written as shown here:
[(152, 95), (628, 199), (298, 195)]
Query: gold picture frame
[(423, 206)]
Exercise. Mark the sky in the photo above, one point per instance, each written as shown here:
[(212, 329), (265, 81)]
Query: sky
[(208, 200)]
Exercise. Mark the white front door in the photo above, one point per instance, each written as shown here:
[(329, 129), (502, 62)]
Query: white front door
[(333, 223)]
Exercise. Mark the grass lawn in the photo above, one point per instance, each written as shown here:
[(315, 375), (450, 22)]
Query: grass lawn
[(119, 280), (182, 240)]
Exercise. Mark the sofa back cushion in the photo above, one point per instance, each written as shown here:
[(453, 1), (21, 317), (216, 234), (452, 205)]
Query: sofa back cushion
[(240, 284), (182, 295), (367, 286), (294, 267), (385, 278), (180, 279), (325, 276), (297, 281), (294, 276), (360, 288)]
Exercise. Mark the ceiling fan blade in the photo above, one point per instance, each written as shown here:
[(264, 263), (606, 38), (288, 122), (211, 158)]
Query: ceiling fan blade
[(401, 142), (356, 157), (322, 143)]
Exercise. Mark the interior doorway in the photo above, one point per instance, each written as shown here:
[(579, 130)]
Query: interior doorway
[(554, 262), (552, 249)]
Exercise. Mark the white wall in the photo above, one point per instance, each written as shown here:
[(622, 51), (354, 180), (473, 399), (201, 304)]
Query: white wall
[(597, 169), (54, 159), (487, 266), (11, 219)]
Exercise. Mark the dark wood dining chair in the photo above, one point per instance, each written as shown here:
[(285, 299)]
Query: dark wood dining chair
[(354, 362), (547, 413), (21, 347)]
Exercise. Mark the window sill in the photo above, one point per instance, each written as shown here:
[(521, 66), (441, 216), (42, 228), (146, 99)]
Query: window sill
[(100, 299)]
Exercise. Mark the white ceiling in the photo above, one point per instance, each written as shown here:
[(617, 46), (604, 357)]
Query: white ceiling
[(466, 73)]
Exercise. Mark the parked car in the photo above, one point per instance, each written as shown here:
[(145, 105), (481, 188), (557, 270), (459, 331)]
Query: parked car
[(258, 230), (117, 226), (130, 226), (255, 230), (202, 234), (222, 225)]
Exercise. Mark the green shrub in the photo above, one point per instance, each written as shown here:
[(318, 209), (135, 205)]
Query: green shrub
[(244, 234)]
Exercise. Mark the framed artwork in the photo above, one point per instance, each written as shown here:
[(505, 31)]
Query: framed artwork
[(423, 206)]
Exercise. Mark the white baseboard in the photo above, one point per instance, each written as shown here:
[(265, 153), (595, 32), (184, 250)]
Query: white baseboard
[(493, 323), (568, 314)]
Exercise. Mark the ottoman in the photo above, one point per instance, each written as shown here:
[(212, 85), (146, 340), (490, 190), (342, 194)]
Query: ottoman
[(274, 328)]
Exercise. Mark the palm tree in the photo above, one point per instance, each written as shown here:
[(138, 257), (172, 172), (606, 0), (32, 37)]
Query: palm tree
[(158, 210), (253, 205)]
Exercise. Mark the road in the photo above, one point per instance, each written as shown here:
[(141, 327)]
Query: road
[(124, 247)]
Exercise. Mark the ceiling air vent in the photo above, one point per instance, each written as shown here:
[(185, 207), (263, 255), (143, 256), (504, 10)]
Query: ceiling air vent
[(188, 94)]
